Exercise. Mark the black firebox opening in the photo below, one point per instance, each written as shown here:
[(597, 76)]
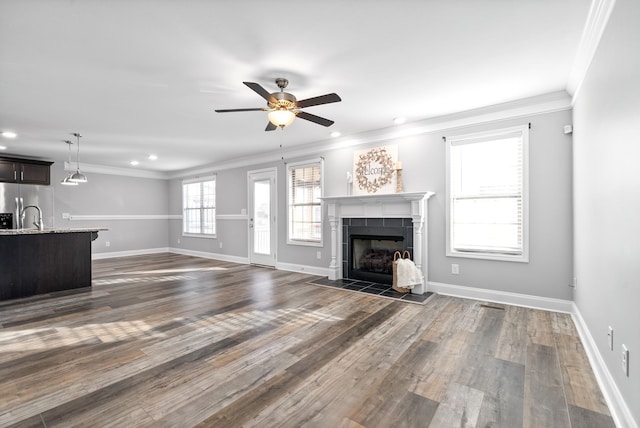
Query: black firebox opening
[(372, 257)]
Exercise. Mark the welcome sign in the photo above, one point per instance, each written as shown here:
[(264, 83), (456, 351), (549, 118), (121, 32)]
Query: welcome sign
[(374, 170)]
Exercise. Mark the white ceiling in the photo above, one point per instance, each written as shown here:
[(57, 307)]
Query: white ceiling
[(139, 77)]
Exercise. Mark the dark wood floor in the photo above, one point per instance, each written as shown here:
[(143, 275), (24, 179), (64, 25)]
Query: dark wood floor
[(176, 341)]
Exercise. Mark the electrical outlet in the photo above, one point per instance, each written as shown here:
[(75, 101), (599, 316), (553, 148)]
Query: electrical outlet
[(455, 268), (178, 240), (625, 360), (107, 243), (66, 216), (610, 337), (319, 255), (220, 244), (575, 285)]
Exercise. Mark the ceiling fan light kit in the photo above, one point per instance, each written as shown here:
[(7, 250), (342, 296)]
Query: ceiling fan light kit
[(283, 107), (281, 117)]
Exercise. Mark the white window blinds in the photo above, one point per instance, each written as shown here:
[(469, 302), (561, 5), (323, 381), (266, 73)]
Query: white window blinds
[(199, 207), (487, 193), (305, 206)]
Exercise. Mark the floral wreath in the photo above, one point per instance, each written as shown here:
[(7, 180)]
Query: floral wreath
[(380, 156)]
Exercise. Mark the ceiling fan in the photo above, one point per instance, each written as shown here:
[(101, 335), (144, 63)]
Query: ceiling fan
[(283, 107)]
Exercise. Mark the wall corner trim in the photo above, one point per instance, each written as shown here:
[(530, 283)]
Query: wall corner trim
[(617, 405), (597, 20)]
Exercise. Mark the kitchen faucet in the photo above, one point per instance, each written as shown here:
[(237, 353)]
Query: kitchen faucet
[(39, 224)]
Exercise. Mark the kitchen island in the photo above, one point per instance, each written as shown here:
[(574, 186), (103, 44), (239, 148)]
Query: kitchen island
[(36, 261)]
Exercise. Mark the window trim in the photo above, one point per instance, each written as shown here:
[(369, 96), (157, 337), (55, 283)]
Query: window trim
[(215, 217), (292, 165), (478, 137)]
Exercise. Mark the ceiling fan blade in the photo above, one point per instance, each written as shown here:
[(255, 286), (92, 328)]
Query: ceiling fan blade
[(322, 99), (270, 127), (241, 109), (315, 119), (261, 91)]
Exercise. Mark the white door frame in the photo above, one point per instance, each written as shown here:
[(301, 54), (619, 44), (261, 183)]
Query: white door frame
[(260, 175)]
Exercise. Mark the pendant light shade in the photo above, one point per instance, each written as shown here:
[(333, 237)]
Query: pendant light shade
[(67, 180), (78, 177)]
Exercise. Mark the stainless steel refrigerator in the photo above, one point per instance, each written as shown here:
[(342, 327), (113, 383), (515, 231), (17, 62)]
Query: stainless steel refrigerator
[(14, 197)]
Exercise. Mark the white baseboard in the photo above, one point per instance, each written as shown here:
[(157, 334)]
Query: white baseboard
[(113, 254), (313, 270), (213, 256), (525, 300), (291, 267), (617, 405)]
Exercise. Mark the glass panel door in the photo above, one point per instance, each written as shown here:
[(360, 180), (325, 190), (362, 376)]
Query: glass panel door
[(262, 217)]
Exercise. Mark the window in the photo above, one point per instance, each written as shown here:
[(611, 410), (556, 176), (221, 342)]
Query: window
[(305, 206), (199, 207), (487, 201)]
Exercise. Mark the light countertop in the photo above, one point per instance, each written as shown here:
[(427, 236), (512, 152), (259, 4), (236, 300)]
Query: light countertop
[(34, 231)]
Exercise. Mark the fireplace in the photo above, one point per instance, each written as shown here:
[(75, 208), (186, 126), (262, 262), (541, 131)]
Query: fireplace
[(408, 210), (370, 245)]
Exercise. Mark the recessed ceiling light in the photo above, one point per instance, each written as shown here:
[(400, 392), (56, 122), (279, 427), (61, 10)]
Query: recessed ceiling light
[(3, 147), (153, 157), (335, 134), (134, 162), (399, 120), (9, 134)]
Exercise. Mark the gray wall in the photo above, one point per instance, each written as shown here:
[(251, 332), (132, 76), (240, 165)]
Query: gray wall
[(607, 196), (231, 197), (549, 271), (550, 268), (110, 196)]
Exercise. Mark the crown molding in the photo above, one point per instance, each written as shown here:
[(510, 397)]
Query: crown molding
[(112, 170), (546, 103), (597, 20)]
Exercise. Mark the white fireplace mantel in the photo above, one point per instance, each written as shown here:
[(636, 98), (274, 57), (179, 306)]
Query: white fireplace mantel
[(393, 205)]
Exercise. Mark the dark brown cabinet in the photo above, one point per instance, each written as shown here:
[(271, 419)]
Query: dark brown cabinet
[(40, 263), (8, 171), (26, 171)]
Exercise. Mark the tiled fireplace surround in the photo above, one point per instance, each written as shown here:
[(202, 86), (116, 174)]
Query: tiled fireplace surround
[(356, 210), (363, 228)]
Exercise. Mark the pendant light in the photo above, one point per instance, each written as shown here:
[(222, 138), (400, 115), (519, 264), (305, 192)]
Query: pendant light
[(67, 180), (77, 176)]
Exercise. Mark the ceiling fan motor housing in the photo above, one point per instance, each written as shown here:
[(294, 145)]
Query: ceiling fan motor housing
[(284, 100)]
